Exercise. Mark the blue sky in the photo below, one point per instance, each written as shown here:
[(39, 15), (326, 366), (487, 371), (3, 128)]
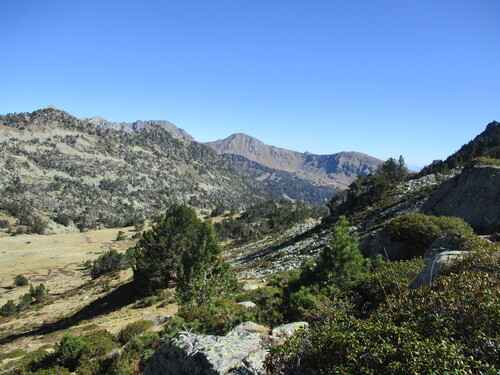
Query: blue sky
[(416, 78)]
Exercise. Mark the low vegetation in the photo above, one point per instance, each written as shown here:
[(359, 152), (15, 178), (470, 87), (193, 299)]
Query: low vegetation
[(266, 217), (422, 230)]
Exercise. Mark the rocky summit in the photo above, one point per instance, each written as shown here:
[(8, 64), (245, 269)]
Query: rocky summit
[(337, 170)]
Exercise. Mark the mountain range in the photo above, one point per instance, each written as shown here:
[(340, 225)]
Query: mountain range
[(337, 170), (94, 172), (313, 177)]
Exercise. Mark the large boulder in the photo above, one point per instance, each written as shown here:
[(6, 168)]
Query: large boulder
[(380, 242), (190, 354), (242, 351), (473, 196)]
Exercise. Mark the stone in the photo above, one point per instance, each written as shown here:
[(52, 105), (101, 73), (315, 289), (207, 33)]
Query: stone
[(250, 287), (287, 330), (434, 262), (247, 304), (241, 352)]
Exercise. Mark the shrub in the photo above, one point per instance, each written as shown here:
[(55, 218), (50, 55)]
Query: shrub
[(421, 230), (97, 344), (133, 330), (68, 350), (8, 309), (269, 309), (108, 262), (337, 263), (450, 328), (20, 280), (217, 318), (389, 278)]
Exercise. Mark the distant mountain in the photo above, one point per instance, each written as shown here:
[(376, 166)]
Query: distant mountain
[(337, 170), (133, 127), (281, 183), (56, 166)]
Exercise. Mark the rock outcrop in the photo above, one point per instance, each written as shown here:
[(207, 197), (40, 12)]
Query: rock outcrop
[(241, 351), (473, 196)]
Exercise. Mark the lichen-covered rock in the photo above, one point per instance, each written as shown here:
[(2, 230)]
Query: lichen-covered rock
[(239, 352), (473, 196)]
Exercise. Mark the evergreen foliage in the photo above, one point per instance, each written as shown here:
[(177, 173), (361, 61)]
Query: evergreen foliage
[(20, 280), (267, 217), (110, 261), (421, 230), (338, 263), (182, 248), (486, 144)]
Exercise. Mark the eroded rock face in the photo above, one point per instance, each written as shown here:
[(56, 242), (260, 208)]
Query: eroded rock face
[(473, 196)]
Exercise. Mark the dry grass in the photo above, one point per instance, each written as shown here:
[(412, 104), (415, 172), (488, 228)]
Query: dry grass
[(55, 261)]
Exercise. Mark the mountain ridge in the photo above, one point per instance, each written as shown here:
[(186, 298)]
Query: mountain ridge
[(338, 169)]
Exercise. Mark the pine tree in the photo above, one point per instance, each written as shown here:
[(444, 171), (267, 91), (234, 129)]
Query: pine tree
[(203, 275), (182, 248), (339, 262)]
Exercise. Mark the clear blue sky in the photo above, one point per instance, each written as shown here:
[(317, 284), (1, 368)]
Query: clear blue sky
[(417, 78)]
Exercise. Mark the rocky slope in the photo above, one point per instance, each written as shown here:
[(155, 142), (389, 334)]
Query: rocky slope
[(134, 127), (337, 170), (60, 167)]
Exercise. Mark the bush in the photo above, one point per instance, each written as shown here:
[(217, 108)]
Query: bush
[(269, 309), (68, 350), (421, 230), (133, 330), (450, 328), (8, 309), (217, 318), (20, 280), (108, 262), (97, 344)]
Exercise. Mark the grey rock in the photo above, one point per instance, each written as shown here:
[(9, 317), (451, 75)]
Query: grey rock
[(249, 327), (287, 330), (189, 354), (451, 242), (380, 242), (435, 261), (250, 287), (473, 196), (241, 352), (247, 304)]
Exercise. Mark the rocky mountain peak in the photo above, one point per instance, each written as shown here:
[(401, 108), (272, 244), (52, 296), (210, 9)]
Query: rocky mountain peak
[(337, 170)]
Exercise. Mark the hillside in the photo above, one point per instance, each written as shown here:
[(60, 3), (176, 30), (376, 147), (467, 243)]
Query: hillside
[(56, 166), (337, 170), (486, 144), (434, 310)]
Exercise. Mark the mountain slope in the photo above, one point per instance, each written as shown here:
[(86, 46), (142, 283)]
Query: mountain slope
[(486, 144), (337, 170), (62, 167), (282, 183)]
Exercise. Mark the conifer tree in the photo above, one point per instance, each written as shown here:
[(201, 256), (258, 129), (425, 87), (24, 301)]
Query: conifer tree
[(182, 248)]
